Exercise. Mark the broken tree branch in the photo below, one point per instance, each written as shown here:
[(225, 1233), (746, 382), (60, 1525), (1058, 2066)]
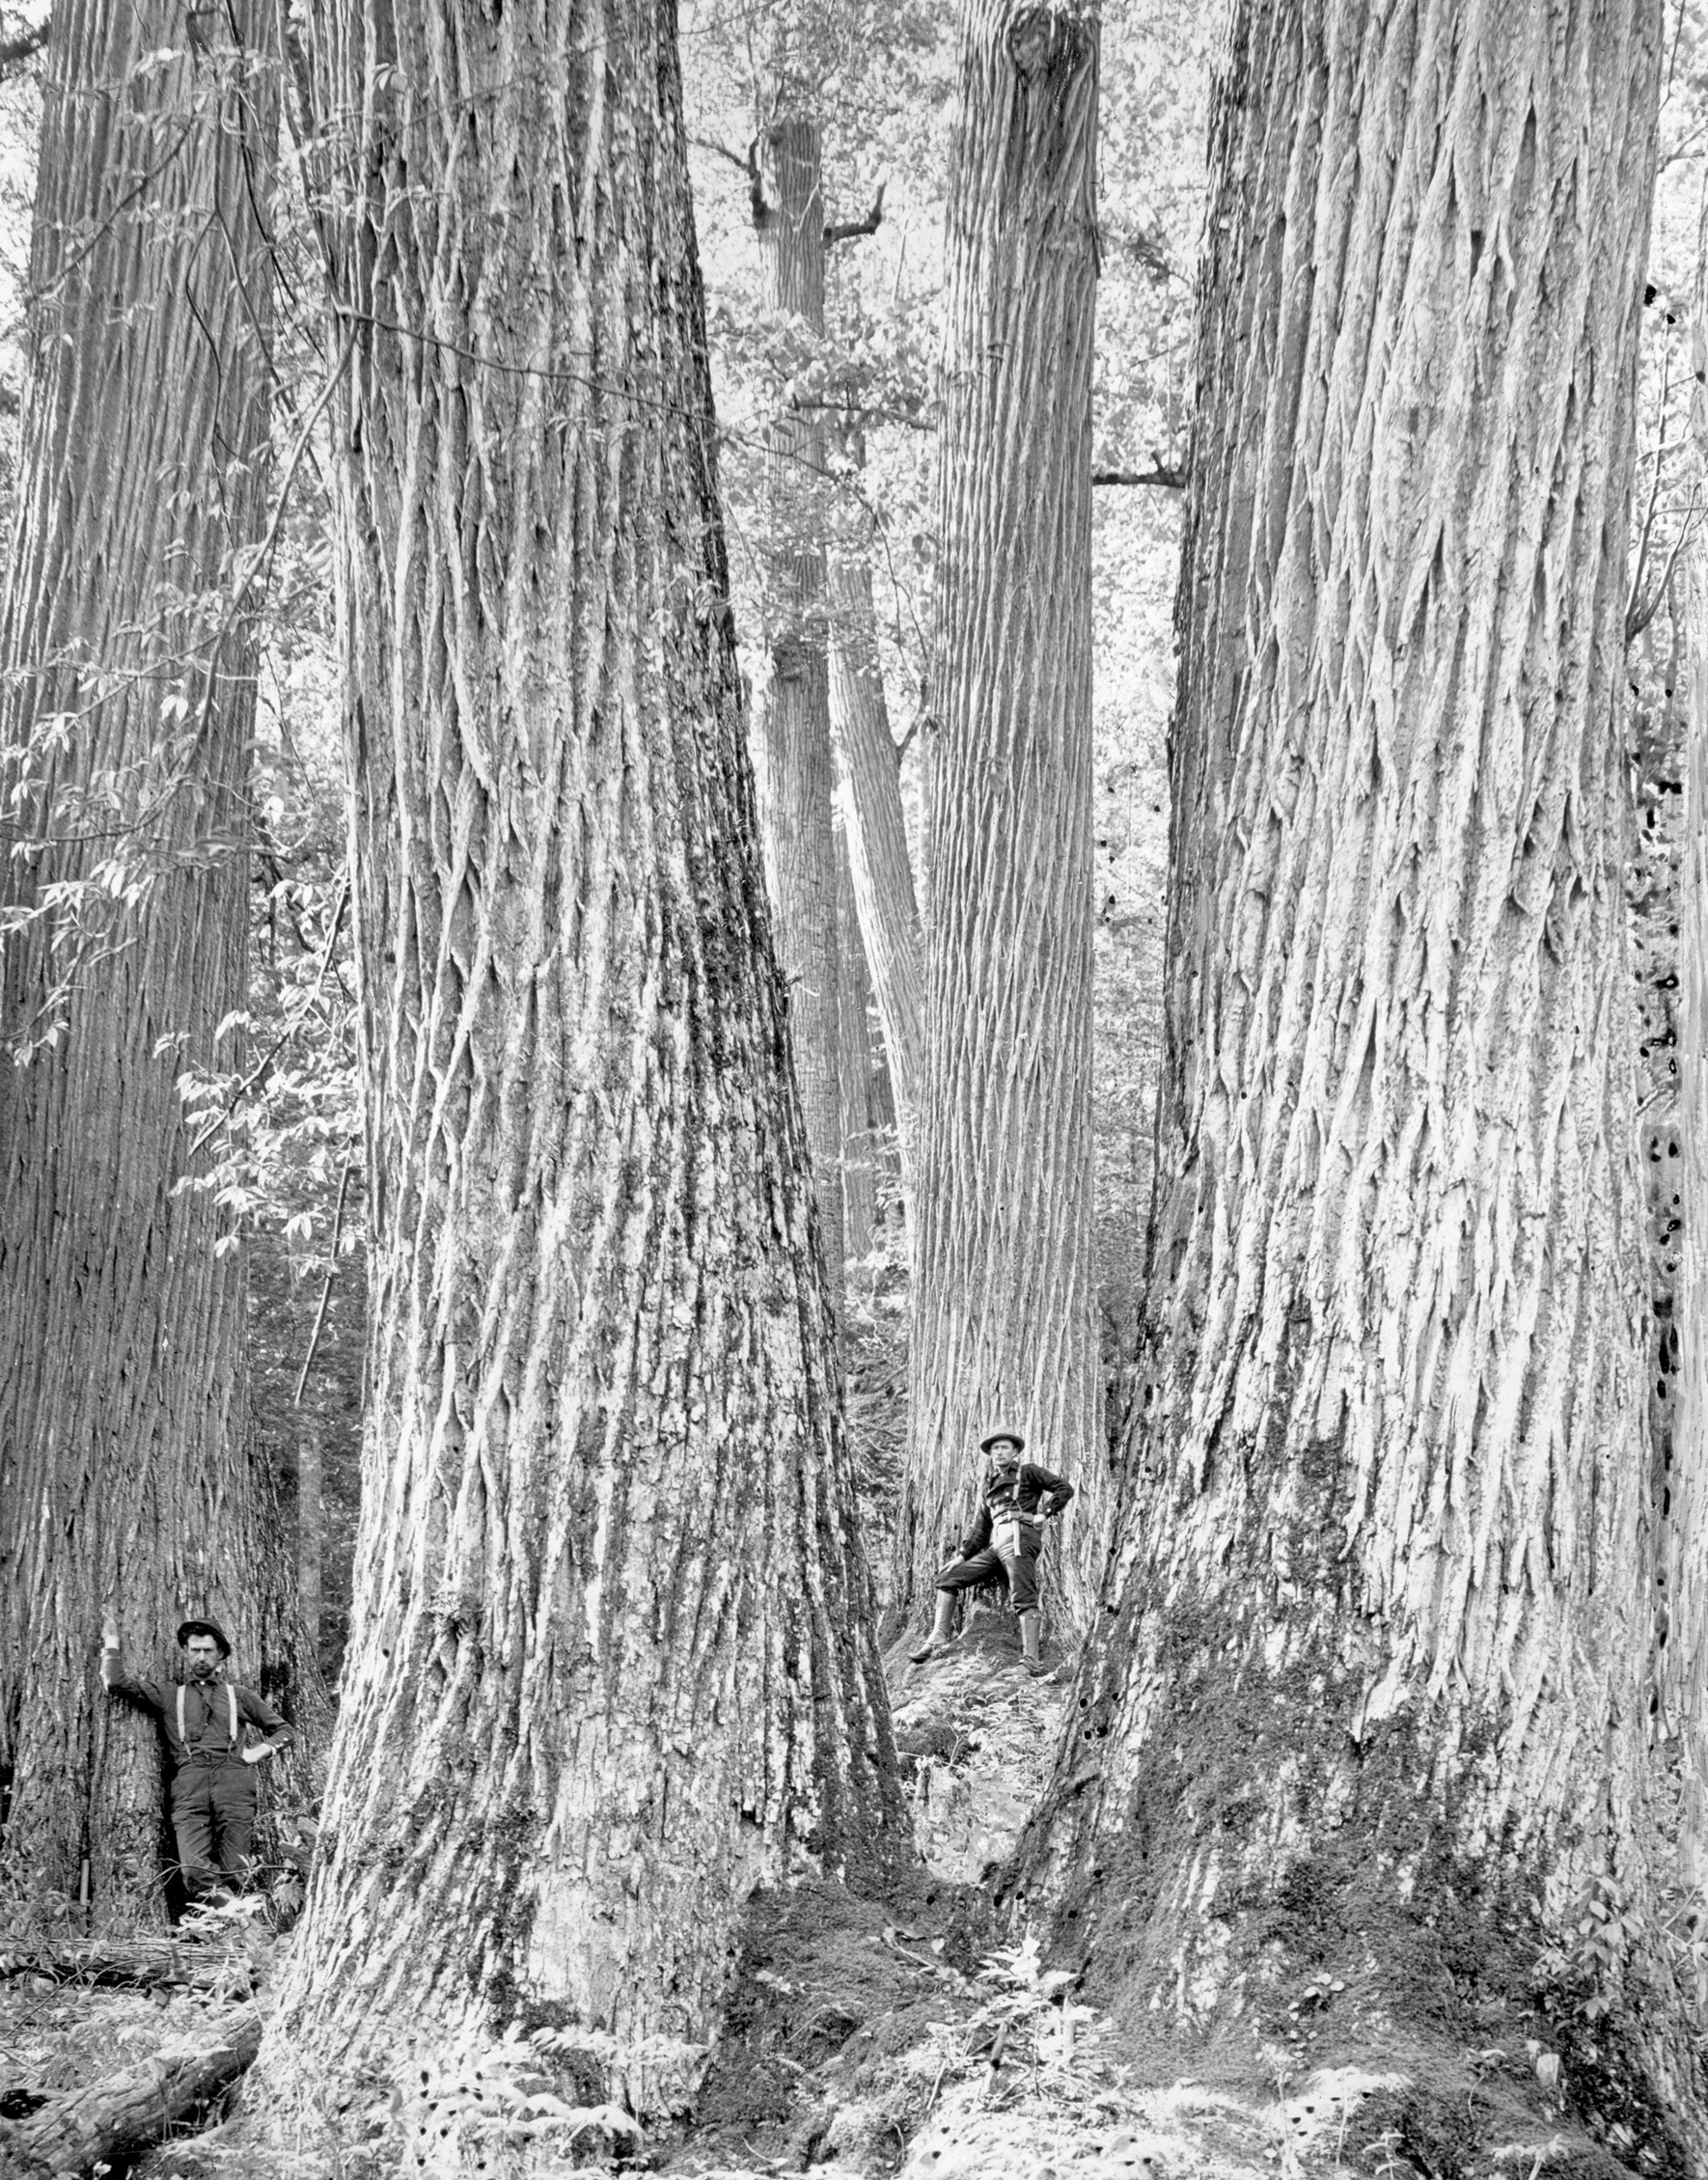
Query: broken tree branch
[(1166, 478), (848, 230)]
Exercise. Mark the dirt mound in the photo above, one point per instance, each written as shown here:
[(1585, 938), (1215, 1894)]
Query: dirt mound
[(976, 1734)]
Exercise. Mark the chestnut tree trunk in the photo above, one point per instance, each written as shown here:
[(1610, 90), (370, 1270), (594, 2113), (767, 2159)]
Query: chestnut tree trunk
[(1369, 1697), (868, 796), (799, 778), (611, 1660), (124, 730), (1004, 1307)]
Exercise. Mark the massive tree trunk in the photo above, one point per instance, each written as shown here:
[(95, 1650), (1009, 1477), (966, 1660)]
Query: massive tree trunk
[(1370, 1695), (610, 1660), (868, 794), (1004, 1312), (129, 659), (800, 784)]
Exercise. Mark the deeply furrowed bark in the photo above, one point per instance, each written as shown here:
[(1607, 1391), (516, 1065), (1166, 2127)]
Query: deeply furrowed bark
[(788, 218), (611, 1662), (128, 698), (1004, 1312), (1378, 1627), (868, 795)]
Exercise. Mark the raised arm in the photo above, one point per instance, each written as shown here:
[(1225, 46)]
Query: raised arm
[(114, 1678)]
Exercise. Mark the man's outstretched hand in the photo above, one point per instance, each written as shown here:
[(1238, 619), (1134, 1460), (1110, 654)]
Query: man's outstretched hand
[(109, 1633), (258, 1755)]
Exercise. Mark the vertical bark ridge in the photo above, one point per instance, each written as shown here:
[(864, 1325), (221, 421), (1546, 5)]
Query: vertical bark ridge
[(1387, 1499), (1005, 1325), (611, 1662), (128, 700)]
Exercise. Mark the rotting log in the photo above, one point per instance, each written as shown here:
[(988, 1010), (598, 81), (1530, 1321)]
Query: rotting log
[(117, 2118), (140, 1966)]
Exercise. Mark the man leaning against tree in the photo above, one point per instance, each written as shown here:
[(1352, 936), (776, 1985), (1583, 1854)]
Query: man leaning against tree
[(217, 1733)]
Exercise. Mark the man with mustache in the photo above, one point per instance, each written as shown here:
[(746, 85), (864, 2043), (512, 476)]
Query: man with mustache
[(217, 1733), (1008, 1533)]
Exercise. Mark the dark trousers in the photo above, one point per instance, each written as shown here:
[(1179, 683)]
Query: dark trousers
[(212, 1817), (1018, 1569)]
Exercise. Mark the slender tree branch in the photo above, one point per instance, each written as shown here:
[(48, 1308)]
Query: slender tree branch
[(24, 46), (1633, 621), (1638, 617), (720, 150), (1166, 477), (849, 231), (344, 1185)]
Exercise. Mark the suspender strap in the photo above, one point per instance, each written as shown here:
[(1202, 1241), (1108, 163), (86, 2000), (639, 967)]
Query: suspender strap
[(184, 1739)]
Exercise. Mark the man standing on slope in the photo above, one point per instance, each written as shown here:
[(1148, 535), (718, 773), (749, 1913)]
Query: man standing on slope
[(216, 1733), (1005, 1541)]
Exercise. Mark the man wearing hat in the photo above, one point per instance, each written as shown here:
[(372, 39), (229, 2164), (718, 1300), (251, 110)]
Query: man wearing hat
[(1003, 1542), (216, 1733)]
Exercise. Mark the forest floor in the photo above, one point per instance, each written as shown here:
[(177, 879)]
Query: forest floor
[(911, 2038)]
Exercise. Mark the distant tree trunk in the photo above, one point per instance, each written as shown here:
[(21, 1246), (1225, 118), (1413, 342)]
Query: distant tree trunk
[(1659, 674), (788, 218), (311, 1526), (1684, 1600), (1004, 1307), (859, 1156), (128, 700), (610, 1660), (1370, 1693), (868, 794)]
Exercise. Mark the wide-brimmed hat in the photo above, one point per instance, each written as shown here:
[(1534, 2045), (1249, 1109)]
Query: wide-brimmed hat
[(187, 1628), (996, 1437)]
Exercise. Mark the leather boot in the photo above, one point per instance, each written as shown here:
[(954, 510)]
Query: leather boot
[(1029, 1644), (938, 1628)]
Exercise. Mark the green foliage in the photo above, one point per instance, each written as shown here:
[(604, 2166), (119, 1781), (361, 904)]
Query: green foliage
[(1028, 2038), (1582, 1976), (460, 2114)]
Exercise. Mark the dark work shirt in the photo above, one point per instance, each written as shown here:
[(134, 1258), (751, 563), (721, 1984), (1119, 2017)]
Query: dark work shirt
[(1017, 1487), (207, 1717)]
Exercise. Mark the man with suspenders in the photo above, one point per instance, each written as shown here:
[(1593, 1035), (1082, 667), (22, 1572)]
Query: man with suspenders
[(216, 1732), (1005, 1541)]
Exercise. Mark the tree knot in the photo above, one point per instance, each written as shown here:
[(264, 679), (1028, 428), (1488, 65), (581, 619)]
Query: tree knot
[(1042, 39)]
